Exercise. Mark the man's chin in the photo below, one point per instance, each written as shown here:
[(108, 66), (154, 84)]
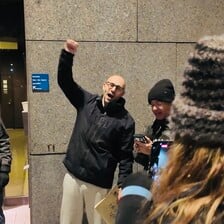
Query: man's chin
[(108, 100), (159, 117)]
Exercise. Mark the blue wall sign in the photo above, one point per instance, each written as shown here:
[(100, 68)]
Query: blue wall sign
[(40, 82)]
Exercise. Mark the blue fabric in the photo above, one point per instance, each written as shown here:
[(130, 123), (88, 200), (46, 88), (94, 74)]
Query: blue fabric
[(162, 158), (136, 190)]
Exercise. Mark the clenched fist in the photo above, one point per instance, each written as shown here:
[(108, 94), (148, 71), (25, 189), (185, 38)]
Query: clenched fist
[(71, 46)]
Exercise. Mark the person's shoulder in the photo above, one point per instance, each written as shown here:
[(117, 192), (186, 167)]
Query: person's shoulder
[(138, 179), (166, 135), (130, 117), (127, 115), (129, 121), (94, 97)]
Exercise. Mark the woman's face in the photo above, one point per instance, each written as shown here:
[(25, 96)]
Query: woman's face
[(160, 109)]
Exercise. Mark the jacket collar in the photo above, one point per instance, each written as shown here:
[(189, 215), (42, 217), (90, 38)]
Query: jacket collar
[(159, 126), (113, 107)]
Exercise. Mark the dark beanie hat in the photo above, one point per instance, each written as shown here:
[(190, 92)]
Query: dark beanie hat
[(162, 91), (197, 115)]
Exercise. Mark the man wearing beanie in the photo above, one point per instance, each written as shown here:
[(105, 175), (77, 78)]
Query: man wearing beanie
[(160, 97), (190, 188), (136, 187), (162, 91)]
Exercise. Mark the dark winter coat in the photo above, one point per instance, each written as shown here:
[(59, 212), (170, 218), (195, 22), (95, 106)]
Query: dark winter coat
[(158, 130), (101, 138)]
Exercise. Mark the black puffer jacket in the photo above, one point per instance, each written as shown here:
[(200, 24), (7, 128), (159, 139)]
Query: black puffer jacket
[(101, 138)]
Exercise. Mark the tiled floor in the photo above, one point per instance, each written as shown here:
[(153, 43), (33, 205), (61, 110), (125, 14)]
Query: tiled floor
[(18, 181), (17, 215)]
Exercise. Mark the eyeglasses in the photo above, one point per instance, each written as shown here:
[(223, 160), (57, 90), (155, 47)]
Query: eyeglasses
[(111, 85)]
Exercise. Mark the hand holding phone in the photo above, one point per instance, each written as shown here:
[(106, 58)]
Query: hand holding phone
[(140, 138), (142, 144)]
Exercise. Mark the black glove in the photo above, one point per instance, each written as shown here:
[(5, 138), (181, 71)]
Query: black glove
[(4, 179)]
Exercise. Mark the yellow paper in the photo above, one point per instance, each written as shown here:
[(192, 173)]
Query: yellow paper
[(107, 207)]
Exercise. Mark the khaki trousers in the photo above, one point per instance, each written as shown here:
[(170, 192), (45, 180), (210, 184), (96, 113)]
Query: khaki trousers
[(79, 196)]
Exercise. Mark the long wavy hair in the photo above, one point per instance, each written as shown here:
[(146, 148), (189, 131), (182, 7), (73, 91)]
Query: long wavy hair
[(190, 188)]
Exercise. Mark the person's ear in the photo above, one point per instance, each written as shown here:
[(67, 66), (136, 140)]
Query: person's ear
[(104, 87)]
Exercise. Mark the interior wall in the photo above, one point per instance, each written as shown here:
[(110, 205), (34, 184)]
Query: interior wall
[(144, 40)]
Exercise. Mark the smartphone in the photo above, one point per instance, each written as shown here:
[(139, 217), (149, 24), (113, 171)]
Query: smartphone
[(140, 138), (159, 156)]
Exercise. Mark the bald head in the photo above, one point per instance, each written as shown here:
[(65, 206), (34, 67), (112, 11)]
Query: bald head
[(117, 80), (113, 89)]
